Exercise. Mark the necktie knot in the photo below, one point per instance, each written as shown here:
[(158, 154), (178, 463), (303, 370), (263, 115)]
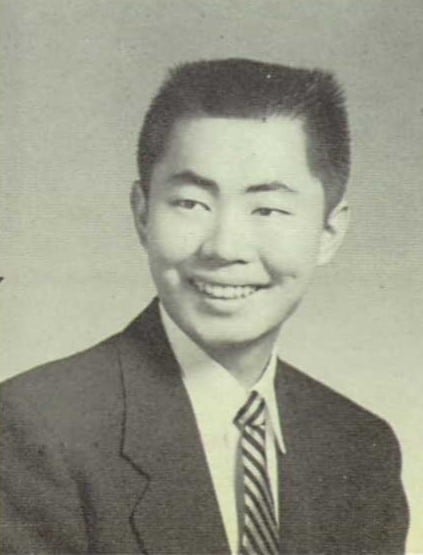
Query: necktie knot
[(252, 413)]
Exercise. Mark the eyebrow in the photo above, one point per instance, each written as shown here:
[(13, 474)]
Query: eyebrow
[(192, 178), (272, 186)]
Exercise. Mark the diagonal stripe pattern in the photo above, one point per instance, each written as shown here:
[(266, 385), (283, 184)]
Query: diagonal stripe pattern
[(260, 530)]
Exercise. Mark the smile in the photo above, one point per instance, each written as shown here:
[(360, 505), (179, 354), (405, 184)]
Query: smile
[(225, 292)]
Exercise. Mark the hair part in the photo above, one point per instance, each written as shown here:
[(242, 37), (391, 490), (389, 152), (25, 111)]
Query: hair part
[(240, 88)]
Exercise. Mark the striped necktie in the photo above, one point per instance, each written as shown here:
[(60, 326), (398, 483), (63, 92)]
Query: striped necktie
[(259, 534)]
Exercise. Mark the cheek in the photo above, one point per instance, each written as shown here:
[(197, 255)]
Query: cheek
[(291, 252), (170, 242)]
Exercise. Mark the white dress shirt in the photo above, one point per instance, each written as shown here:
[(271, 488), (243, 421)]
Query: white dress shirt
[(216, 397)]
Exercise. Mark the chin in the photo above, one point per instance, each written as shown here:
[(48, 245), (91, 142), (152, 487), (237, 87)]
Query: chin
[(223, 337), (219, 330)]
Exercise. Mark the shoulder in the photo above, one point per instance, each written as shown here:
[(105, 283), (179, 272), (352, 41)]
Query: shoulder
[(336, 420), (59, 395), (66, 372), (346, 454), (80, 395)]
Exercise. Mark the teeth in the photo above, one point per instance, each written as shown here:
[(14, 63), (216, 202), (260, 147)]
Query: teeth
[(225, 291)]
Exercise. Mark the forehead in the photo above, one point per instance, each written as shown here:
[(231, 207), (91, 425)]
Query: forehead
[(242, 151), (238, 137)]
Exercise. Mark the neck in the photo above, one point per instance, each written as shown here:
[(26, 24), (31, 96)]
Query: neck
[(246, 362)]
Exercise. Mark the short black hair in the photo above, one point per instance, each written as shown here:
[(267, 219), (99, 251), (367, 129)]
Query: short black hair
[(240, 88)]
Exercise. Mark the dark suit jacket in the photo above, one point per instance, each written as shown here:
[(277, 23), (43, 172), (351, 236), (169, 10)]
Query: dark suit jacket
[(101, 454)]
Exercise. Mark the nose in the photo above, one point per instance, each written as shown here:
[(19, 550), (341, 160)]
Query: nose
[(229, 240)]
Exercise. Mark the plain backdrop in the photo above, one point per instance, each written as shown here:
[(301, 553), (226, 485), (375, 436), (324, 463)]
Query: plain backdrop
[(77, 76)]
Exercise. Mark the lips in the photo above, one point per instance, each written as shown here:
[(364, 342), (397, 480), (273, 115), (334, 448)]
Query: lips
[(223, 291)]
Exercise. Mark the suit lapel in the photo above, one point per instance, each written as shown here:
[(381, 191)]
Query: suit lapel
[(309, 482), (177, 511), (295, 508)]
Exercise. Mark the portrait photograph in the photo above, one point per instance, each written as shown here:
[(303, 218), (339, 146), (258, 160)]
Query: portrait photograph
[(211, 277)]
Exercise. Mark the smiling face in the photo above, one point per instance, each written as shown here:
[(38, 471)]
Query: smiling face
[(234, 227)]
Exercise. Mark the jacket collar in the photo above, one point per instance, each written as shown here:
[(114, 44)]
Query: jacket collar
[(177, 506), (176, 509)]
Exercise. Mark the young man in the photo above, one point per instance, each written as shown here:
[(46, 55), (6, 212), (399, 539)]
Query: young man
[(184, 434)]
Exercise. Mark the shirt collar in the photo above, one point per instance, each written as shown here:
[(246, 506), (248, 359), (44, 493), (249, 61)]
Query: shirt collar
[(214, 385)]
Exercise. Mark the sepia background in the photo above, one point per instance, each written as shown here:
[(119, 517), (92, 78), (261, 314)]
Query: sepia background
[(76, 78)]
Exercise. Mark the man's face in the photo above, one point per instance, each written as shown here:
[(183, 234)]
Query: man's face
[(233, 227)]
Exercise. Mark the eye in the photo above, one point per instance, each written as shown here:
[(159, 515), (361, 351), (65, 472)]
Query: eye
[(189, 204), (266, 211)]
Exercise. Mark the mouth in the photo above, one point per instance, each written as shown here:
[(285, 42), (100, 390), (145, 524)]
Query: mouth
[(224, 291)]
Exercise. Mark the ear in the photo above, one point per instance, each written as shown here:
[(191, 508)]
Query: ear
[(139, 210), (333, 233)]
